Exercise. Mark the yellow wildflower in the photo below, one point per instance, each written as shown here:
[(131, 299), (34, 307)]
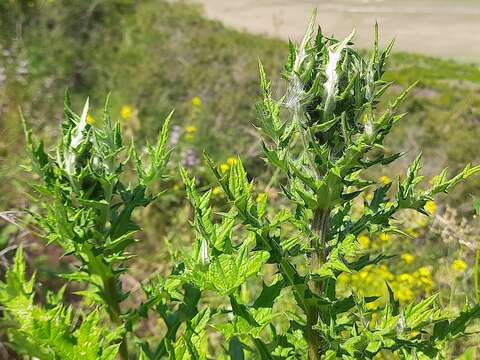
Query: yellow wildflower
[(406, 278), (459, 265), (385, 179), (224, 167), (232, 160), (261, 197), (90, 120), (191, 129), (426, 282), (364, 241), (127, 112), (344, 278), (431, 207), (424, 271), (405, 295), (190, 132), (408, 258), (197, 101), (217, 190), (385, 237)]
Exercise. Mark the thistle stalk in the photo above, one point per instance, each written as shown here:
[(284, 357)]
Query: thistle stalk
[(320, 225), (113, 307)]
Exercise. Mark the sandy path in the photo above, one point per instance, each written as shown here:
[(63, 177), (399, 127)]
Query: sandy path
[(448, 28)]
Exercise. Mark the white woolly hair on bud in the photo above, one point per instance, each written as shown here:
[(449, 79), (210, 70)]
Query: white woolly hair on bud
[(69, 157), (69, 162), (368, 124), (204, 258), (295, 87), (294, 94), (78, 137), (331, 84)]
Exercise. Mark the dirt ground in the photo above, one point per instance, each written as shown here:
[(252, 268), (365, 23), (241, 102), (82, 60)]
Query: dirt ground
[(447, 28)]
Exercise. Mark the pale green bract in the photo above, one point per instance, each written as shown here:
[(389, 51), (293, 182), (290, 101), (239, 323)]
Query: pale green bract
[(261, 278)]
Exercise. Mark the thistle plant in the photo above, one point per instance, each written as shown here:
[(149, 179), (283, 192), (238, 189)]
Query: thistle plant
[(262, 277), (323, 135), (87, 206)]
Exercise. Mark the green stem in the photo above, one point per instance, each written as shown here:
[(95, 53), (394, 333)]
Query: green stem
[(105, 211), (113, 305), (320, 225), (312, 336)]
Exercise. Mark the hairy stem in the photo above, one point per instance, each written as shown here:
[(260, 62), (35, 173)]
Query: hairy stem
[(320, 225), (112, 299), (312, 336)]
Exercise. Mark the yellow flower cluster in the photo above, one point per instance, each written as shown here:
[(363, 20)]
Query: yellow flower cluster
[(364, 241), (459, 266), (385, 179), (224, 167), (385, 237), (90, 120), (408, 285), (127, 112), (197, 101), (261, 197), (408, 258), (379, 241), (190, 131), (371, 280), (431, 207), (232, 160)]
